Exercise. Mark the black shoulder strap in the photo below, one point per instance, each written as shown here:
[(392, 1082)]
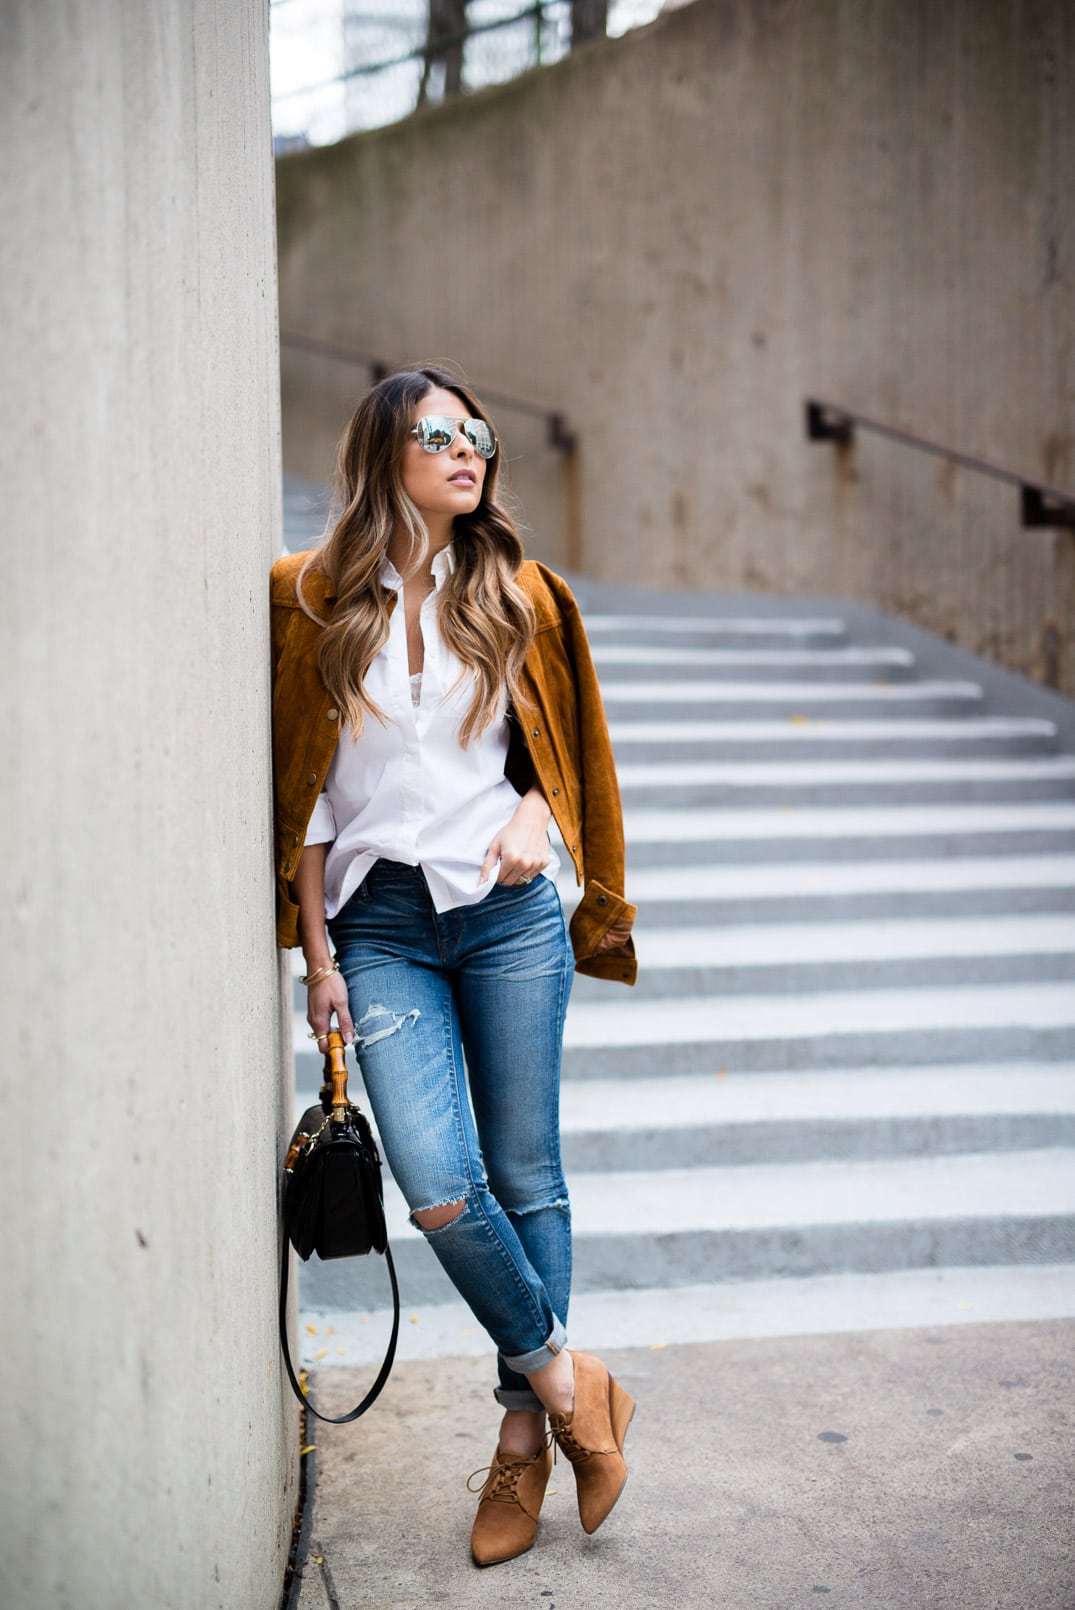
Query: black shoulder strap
[(378, 1386)]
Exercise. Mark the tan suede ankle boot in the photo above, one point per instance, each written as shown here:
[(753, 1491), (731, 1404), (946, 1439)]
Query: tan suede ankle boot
[(591, 1436), (507, 1520)]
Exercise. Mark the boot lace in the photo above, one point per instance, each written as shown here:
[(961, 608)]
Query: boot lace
[(561, 1436), (502, 1479)]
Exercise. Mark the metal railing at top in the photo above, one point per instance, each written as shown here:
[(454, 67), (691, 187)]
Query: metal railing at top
[(377, 62), (1041, 504)]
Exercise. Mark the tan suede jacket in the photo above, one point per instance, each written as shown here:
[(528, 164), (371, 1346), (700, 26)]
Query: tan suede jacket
[(562, 723)]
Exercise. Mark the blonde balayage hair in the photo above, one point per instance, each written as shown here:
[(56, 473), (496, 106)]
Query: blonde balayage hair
[(485, 617)]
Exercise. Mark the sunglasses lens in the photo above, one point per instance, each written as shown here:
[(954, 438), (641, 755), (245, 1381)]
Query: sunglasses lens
[(480, 437), (435, 432)]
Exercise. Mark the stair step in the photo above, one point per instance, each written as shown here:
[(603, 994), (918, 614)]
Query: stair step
[(836, 782), (760, 664), (685, 1121), (832, 1028), (687, 629), (816, 738), (828, 890), (745, 959), (789, 1220), (663, 838), (742, 700)]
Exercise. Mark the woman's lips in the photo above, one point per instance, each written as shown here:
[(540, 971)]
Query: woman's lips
[(462, 478)]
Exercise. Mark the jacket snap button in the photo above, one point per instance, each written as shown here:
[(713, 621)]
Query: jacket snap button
[(287, 866), (536, 732), (332, 715), (294, 841), (311, 780), (555, 792), (602, 900)]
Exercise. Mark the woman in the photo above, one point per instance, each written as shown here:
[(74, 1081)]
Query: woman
[(416, 841)]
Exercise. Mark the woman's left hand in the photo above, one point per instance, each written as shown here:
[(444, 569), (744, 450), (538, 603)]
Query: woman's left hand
[(522, 846)]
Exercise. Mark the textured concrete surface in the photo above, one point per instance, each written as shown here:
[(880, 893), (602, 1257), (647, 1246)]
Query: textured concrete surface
[(896, 1470), (147, 1444), (690, 229)]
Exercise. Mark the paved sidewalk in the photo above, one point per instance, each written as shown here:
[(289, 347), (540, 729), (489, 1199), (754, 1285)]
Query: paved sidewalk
[(929, 1469)]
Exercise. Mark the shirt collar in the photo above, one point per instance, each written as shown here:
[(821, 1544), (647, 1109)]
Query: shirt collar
[(442, 567)]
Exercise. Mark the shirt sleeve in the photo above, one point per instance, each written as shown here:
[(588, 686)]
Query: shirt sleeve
[(322, 828)]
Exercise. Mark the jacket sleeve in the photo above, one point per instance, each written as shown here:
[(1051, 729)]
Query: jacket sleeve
[(603, 901)]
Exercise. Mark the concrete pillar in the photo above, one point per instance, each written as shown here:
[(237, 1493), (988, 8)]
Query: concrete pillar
[(147, 1438)]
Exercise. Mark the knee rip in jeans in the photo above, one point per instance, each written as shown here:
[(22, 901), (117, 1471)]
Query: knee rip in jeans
[(390, 1023), (441, 1215)]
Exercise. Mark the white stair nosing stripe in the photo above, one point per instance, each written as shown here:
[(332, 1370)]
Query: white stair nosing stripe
[(691, 1101), (789, 879), (791, 774), (715, 823), (794, 626), (775, 944), (684, 1020), (740, 1310), (809, 729), (975, 1185), (795, 694), (642, 654)]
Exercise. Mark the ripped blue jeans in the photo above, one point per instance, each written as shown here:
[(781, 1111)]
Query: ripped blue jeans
[(488, 982)]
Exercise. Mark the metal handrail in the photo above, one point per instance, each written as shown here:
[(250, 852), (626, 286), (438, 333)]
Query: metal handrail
[(560, 436), (1041, 503)]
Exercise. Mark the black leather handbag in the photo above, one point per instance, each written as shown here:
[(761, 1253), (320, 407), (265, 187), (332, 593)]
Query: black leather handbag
[(334, 1203)]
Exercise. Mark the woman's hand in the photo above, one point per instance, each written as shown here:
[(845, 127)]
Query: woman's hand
[(328, 996), (522, 846)]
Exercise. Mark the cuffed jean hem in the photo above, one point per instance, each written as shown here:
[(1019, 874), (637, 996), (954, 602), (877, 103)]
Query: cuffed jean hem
[(525, 1364), (528, 1401)]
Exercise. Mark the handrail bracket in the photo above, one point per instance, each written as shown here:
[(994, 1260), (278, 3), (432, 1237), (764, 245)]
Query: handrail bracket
[(1040, 503)]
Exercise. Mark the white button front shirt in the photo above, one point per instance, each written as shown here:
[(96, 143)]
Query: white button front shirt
[(407, 791)]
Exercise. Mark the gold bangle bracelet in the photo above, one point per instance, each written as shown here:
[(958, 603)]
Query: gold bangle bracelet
[(320, 973)]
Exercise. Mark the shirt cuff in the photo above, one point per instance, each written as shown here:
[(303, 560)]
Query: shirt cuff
[(322, 826)]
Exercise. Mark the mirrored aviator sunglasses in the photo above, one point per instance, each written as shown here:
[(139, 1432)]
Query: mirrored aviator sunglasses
[(436, 432)]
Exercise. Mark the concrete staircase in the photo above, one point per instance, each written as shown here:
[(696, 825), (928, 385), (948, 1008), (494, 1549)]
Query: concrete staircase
[(843, 1092)]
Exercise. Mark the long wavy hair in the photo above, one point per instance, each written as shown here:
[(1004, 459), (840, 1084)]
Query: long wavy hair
[(484, 616)]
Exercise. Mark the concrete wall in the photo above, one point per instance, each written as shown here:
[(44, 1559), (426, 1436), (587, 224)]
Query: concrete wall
[(674, 237), (148, 1444)]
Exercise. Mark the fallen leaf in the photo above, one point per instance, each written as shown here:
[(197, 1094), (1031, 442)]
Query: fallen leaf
[(722, 1073), (968, 1306), (309, 1448), (656, 1347), (414, 1319), (321, 1351), (329, 1331), (311, 1330), (341, 1350)]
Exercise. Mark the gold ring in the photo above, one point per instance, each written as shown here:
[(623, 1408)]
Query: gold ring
[(313, 1034)]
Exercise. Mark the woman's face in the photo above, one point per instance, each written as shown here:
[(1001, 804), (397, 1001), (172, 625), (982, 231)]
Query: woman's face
[(447, 483)]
